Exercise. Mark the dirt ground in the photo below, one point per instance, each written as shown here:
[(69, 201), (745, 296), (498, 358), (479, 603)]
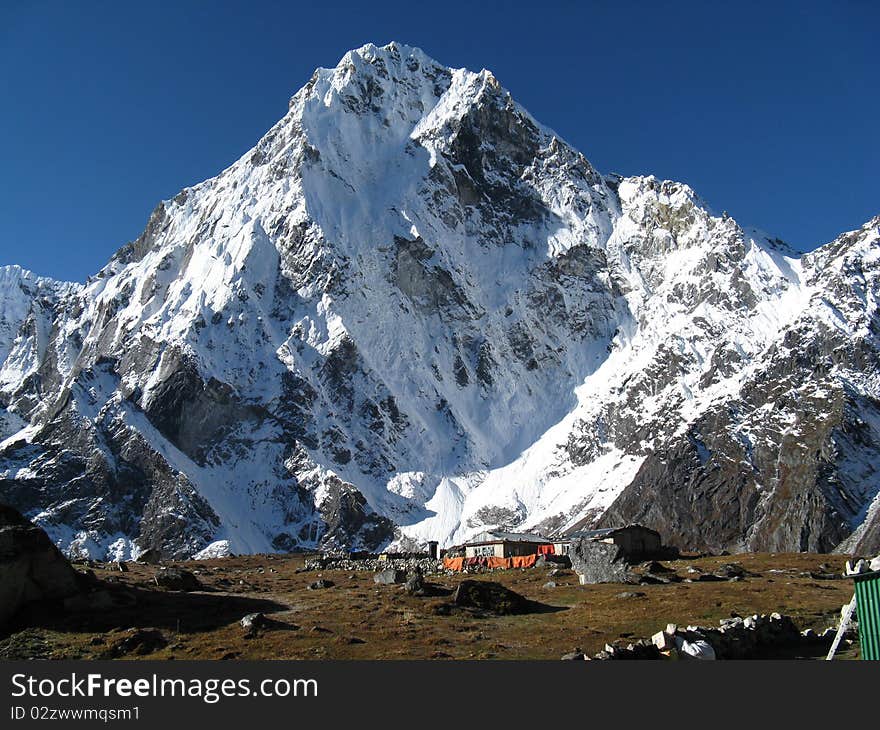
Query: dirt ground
[(357, 619)]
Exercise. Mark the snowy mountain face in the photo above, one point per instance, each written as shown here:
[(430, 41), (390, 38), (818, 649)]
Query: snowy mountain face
[(412, 312)]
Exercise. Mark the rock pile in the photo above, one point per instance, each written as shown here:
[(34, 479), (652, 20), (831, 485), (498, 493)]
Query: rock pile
[(426, 565), (735, 638)]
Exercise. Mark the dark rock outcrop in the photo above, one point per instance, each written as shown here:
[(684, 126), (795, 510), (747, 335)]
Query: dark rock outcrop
[(489, 596), (178, 579), (31, 567)]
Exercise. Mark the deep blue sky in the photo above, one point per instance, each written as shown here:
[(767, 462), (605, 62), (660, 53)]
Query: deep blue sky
[(769, 110)]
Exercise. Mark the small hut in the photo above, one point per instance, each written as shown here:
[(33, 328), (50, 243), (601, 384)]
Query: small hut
[(498, 544), (635, 542)]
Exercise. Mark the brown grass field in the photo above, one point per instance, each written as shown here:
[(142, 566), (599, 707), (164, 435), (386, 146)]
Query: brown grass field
[(356, 619)]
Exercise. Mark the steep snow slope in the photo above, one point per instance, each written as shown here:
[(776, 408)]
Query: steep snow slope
[(413, 312)]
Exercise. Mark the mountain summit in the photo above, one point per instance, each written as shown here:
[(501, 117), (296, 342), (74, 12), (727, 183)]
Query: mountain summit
[(413, 312)]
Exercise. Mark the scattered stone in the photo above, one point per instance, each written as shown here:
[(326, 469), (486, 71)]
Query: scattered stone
[(252, 622), (320, 584), (695, 649), (656, 579), (549, 585), (576, 655), (28, 644), (136, 641), (732, 571), (818, 575), (631, 594), (663, 641), (656, 567), (736, 638)]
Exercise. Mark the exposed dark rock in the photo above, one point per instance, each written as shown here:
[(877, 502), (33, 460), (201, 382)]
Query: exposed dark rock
[(178, 579), (415, 583), (31, 567), (656, 567), (253, 622), (136, 641), (149, 557), (489, 596), (655, 578)]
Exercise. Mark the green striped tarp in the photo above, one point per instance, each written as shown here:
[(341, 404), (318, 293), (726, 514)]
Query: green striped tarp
[(868, 610)]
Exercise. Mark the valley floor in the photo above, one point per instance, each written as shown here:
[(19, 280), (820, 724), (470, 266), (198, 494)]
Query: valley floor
[(357, 619)]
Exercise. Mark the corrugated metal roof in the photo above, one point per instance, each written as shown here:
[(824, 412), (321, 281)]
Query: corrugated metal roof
[(499, 536), (591, 534), (605, 532)]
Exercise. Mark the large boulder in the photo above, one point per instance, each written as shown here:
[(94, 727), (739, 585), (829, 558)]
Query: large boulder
[(149, 557), (415, 582), (31, 567), (489, 596), (177, 579), (599, 562), (390, 576)]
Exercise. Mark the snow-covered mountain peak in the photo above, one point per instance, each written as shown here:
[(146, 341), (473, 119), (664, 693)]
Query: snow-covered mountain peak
[(413, 312)]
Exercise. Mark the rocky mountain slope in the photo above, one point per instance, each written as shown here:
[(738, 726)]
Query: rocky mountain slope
[(411, 311)]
